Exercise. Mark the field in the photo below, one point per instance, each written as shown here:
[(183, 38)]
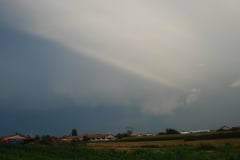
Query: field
[(126, 145), (224, 149)]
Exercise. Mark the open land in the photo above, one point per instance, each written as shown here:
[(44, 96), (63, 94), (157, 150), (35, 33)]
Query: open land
[(130, 149), (126, 145)]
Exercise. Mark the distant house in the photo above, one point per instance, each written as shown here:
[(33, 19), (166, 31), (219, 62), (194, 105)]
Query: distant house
[(136, 134), (225, 128), (149, 134), (201, 131), (98, 137), (89, 137), (196, 131), (14, 139), (184, 132), (71, 138)]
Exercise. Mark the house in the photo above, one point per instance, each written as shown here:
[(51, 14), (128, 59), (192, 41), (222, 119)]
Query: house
[(136, 134), (201, 131), (14, 139), (149, 134), (225, 128), (184, 132), (88, 137), (98, 137), (71, 138), (196, 131)]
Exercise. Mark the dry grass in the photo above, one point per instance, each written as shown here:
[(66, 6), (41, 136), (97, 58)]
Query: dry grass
[(153, 144)]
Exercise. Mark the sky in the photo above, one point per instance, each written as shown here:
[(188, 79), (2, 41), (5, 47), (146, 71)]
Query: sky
[(104, 66)]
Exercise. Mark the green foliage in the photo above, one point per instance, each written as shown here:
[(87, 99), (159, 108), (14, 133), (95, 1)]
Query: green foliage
[(155, 138), (37, 138), (46, 139), (188, 137), (78, 152), (122, 135), (172, 131), (207, 147), (74, 141), (74, 132), (213, 135)]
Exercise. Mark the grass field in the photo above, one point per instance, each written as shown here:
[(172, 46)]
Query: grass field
[(225, 149), (121, 145)]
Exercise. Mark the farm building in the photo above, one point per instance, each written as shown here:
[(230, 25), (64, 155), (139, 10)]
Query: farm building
[(13, 139), (226, 128), (90, 137), (71, 138), (99, 137)]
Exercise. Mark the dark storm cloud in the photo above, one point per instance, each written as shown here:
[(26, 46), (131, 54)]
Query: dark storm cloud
[(48, 89), (161, 61)]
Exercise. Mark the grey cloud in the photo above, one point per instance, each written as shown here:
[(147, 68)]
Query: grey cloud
[(236, 84), (39, 74), (157, 41), (193, 96), (127, 35)]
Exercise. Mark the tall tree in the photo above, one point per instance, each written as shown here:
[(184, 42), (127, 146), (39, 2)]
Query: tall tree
[(74, 132)]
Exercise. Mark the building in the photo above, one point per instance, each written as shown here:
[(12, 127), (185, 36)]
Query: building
[(14, 139), (88, 137), (98, 137), (227, 128)]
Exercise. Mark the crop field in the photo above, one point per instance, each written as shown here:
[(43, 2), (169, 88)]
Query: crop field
[(225, 149), (213, 138), (128, 145)]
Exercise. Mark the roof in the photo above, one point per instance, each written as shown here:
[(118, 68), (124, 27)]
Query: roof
[(89, 136), (13, 137), (96, 135), (225, 128)]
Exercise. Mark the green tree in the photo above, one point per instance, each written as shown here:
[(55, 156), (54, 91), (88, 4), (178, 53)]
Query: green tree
[(129, 130), (37, 138), (46, 139), (74, 132), (172, 131)]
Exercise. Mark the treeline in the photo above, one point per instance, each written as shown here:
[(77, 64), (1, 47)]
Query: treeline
[(186, 137), (213, 135)]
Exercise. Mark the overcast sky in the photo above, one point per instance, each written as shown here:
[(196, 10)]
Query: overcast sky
[(99, 66)]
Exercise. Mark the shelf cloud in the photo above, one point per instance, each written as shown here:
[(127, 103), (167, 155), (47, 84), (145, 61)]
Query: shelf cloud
[(157, 56)]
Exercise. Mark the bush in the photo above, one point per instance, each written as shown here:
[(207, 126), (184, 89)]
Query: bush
[(46, 139), (172, 131), (216, 135), (206, 147)]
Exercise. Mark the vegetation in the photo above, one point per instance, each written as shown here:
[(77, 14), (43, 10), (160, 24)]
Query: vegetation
[(171, 146), (79, 152), (172, 131), (215, 135), (46, 139), (74, 132), (122, 135), (187, 137), (128, 133)]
